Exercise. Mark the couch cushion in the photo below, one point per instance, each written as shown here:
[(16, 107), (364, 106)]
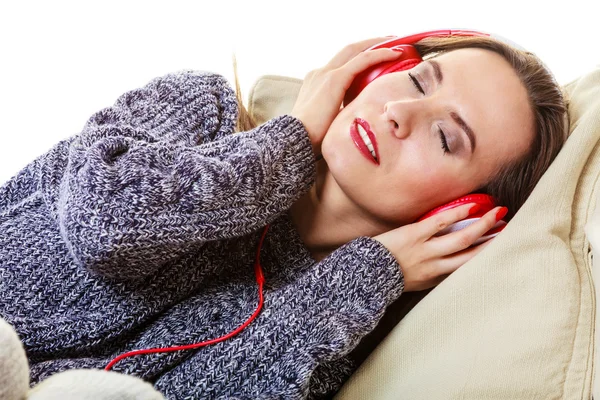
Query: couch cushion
[(515, 322), (271, 96), (592, 232)]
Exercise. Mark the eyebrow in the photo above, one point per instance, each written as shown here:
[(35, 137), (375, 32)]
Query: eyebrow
[(439, 77), (466, 128)]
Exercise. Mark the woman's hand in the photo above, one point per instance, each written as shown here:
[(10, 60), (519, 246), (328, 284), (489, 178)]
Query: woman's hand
[(425, 259), (323, 89)]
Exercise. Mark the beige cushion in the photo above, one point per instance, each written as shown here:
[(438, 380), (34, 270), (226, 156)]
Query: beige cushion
[(271, 96), (517, 321), (592, 231)]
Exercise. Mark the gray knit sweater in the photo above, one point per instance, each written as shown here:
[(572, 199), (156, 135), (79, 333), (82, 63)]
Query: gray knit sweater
[(141, 232)]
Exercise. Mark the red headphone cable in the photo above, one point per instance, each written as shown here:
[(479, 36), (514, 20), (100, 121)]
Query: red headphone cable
[(260, 279)]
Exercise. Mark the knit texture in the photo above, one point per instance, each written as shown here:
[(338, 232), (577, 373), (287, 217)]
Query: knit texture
[(141, 232)]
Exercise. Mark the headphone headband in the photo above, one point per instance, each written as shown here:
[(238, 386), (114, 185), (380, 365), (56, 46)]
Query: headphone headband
[(414, 38)]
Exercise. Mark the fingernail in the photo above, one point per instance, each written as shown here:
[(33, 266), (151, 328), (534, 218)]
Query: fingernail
[(501, 213), (397, 49), (474, 209), (390, 36)]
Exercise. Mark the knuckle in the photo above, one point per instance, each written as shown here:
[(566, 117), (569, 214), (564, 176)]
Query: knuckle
[(330, 78), (441, 223), (427, 275), (464, 241), (330, 75), (347, 51), (316, 72), (354, 47), (311, 75)]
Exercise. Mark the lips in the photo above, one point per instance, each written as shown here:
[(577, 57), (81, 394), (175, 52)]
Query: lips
[(360, 143)]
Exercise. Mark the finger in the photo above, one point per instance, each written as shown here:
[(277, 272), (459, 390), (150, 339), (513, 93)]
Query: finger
[(367, 59), (453, 262), (449, 264), (350, 51), (436, 223), (464, 238)]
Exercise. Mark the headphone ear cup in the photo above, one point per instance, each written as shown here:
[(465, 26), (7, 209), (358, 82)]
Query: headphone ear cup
[(485, 201), (409, 59), (403, 65)]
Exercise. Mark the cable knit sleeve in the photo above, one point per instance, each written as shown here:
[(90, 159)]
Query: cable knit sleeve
[(160, 172), (307, 329), (343, 298)]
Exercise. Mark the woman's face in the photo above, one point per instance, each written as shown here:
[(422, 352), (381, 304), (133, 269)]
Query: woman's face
[(433, 147)]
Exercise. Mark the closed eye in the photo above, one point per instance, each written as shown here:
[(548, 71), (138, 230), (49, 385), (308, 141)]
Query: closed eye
[(444, 141), (416, 83)]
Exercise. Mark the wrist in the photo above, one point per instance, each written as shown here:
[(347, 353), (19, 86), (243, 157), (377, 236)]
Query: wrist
[(317, 151)]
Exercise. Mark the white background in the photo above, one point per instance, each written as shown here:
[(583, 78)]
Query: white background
[(62, 61)]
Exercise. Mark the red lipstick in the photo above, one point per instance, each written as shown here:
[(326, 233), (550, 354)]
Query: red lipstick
[(358, 141)]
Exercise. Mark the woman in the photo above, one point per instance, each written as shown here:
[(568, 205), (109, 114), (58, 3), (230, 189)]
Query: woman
[(142, 231)]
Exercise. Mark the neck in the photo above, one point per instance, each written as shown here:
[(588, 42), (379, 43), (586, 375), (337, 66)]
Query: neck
[(326, 219)]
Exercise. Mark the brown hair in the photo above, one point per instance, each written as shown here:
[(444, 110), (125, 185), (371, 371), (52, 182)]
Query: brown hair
[(245, 122), (512, 183)]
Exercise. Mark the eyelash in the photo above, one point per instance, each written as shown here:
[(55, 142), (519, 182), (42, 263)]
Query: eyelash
[(444, 142), (416, 83), (419, 88)]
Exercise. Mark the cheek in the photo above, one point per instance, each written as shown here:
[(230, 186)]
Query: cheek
[(421, 186), (334, 144), (337, 146)]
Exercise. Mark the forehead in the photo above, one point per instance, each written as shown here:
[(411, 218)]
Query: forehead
[(485, 90)]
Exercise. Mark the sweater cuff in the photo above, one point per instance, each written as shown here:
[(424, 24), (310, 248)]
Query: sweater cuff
[(372, 268), (302, 149)]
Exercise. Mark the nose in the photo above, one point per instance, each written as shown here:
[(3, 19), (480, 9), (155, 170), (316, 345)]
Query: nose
[(404, 116)]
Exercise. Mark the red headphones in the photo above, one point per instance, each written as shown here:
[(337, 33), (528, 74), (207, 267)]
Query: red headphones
[(410, 58)]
